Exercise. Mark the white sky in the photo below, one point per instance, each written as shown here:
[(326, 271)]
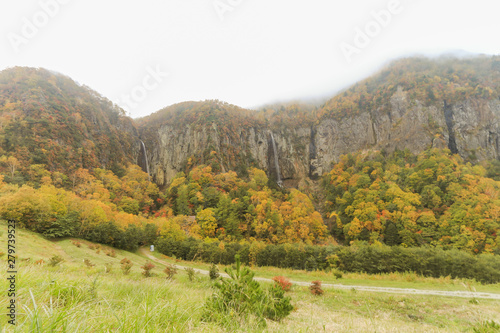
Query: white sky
[(260, 51)]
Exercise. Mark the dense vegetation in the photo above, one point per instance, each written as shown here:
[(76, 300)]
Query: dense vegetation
[(99, 207), (430, 199), (230, 209), (128, 210), (48, 119)]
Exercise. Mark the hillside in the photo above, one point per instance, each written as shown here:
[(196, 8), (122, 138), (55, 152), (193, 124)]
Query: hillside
[(74, 296), (47, 119)]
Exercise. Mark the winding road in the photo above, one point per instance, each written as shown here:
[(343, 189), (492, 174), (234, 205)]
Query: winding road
[(408, 291)]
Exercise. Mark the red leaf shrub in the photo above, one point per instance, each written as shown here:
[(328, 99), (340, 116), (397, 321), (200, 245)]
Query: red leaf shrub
[(283, 282)]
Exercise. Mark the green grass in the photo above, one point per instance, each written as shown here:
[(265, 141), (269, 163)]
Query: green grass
[(73, 298)]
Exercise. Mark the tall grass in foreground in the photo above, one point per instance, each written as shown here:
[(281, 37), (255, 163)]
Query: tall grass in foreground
[(78, 299), (60, 300)]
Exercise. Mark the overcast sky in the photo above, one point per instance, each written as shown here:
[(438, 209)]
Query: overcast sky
[(145, 55)]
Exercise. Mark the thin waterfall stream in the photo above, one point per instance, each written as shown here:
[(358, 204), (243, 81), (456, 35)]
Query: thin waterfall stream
[(276, 164), (145, 157)]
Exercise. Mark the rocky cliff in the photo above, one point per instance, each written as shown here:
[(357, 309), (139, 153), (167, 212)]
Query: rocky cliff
[(470, 128), (414, 104)]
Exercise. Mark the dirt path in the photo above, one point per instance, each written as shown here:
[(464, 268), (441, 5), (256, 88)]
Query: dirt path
[(466, 294)]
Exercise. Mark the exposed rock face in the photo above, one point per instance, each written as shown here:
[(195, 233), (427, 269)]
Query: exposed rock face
[(471, 128), (172, 147)]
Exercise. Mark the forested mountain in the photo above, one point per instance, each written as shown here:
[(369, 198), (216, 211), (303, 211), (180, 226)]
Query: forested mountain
[(406, 157), (47, 119)]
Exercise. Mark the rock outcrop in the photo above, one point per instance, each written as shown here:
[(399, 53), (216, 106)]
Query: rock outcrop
[(470, 128)]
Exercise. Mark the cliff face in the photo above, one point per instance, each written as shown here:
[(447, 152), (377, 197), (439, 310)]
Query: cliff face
[(470, 128), (170, 147)]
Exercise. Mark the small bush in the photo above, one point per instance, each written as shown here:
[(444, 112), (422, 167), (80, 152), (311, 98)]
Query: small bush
[(277, 306), (111, 253), (170, 270), (190, 273), (338, 274), (126, 265), (108, 267), (92, 246), (88, 263), (55, 260), (282, 282), (76, 243), (242, 296), (147, 269), (213, 272), (40, 262), (315, 288)]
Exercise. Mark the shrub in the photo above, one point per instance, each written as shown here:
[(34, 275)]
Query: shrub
[(126, 265), (55, 260), (111, 253), (213, 272), (108, 267), (92, 246), (170, 270), (39, 262), (277, 306), (315, 288), (338, 274), (240, 295), (88, 263), (76, 243), (148, 266), (282, 282), (190, 273)]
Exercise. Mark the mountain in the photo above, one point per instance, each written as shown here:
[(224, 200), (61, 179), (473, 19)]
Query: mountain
[(74, 153), (46, 118), (414, 103)]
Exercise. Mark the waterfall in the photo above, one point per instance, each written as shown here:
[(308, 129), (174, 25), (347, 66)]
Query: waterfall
[(145, 159), (276, 164)]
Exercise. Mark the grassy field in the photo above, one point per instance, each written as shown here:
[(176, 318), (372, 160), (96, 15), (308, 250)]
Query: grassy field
[(74, 298)]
